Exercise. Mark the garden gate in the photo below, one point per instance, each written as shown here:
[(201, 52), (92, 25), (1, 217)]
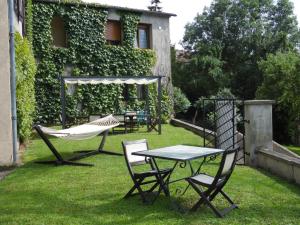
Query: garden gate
[(223, 123)]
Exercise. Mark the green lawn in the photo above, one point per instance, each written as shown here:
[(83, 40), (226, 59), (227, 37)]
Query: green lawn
[(44, 194), (294, 149)]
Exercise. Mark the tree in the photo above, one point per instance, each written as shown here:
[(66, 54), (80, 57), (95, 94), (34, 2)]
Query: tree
[(281, 81), (230, 37), (193, 78)]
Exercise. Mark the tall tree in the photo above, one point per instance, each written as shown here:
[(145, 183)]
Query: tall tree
[(281, 81), (232, 36)]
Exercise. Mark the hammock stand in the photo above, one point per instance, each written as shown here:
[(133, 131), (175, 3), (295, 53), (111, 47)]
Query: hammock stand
[(98, 126)]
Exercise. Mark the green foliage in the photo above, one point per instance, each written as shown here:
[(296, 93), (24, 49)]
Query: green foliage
[(181, 102), (229, 38), (166, 106), (281, 81), (129, 24), (87, 54), (166, 103), (193, 77), (26, 69), (28, 19)]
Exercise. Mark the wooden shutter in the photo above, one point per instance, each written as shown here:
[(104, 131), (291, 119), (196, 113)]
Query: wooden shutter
[(113, 31)]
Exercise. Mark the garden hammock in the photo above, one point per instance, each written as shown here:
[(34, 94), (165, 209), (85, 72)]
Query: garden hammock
[(81, 132)]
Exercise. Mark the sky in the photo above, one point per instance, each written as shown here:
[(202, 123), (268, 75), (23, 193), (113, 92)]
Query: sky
[(185, 10)]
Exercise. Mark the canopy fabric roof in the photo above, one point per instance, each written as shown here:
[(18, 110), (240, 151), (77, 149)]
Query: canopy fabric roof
[(111, 80)]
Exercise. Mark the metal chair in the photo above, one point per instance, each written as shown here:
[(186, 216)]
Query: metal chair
[(139, 178), (122, 123), (214, 185)]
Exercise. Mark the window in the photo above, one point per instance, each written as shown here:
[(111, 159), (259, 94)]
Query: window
[(113, 32), (141, 92), (58, 32), (19, 9), (125, 92), (143, 40)]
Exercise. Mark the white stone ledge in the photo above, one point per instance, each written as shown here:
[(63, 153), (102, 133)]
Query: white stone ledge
[(279, 164), (259, 102)]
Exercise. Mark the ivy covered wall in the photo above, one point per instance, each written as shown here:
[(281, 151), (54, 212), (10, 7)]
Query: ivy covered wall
[(86, 54)]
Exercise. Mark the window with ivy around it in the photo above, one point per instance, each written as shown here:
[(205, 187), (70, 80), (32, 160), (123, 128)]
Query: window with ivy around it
[(58, 31), (143, 36), (141, 89), (113, 32)]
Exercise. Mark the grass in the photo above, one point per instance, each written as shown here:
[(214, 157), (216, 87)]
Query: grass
[(295, 149), (44, 194)]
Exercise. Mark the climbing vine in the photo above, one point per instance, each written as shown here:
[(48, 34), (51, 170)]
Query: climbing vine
[(28, 19), (25, 69), (86, 54)]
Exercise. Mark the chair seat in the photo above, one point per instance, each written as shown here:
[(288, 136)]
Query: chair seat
[(203, 179), (152, 173)]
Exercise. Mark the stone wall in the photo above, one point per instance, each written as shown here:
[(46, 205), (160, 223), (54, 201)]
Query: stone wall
[(279, 164), (263, 151), (283, 150)]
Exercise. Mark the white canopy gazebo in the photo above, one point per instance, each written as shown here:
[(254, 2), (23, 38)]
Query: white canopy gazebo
[(140, 80)]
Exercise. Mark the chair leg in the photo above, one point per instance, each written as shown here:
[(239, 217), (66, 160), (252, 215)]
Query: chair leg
[(129, 193), (227, 197), (137, 185), (205, 198), (157, 183), (201, 200)]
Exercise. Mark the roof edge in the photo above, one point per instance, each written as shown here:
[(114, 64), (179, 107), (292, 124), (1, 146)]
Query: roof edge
[(104, 6)]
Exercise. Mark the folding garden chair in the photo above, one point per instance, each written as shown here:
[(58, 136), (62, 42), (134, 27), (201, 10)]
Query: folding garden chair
[(214, 185), (138, 178)]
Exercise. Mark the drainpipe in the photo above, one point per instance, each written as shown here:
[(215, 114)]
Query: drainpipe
[(13, 78)]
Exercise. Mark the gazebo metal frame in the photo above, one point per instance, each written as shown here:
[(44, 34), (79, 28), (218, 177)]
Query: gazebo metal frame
[(120, 80)]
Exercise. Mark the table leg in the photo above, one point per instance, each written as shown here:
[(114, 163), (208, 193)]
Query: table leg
[(164, 185)]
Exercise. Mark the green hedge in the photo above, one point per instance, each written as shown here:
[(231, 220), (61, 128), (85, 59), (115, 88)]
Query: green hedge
[(88, 54), (26, 69)]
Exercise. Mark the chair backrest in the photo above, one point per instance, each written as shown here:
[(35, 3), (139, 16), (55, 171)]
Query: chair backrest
[(133, 146), (119, 117), (227, 165)]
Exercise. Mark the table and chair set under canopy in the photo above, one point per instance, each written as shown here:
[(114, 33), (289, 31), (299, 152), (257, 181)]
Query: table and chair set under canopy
[(151, 183), (130, 120)]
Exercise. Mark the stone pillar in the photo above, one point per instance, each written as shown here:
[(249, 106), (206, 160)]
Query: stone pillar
[(6, 149), (258, 129)]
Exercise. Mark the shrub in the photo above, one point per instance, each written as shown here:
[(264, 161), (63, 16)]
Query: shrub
[(25, 69), (181, 102)]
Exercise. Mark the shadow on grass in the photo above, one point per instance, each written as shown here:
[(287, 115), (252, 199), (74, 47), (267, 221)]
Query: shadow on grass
[(281, 181)]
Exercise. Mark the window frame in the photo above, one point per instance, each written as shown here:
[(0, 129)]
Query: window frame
[(147, 28), (110, 41), (65, 41)]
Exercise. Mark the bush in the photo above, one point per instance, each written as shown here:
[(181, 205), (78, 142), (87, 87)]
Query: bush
[(25, 69), (281, 82), (181, 102)]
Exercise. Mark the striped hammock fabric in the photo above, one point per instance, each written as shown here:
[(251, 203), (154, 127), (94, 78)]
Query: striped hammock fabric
[(84, 131)]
